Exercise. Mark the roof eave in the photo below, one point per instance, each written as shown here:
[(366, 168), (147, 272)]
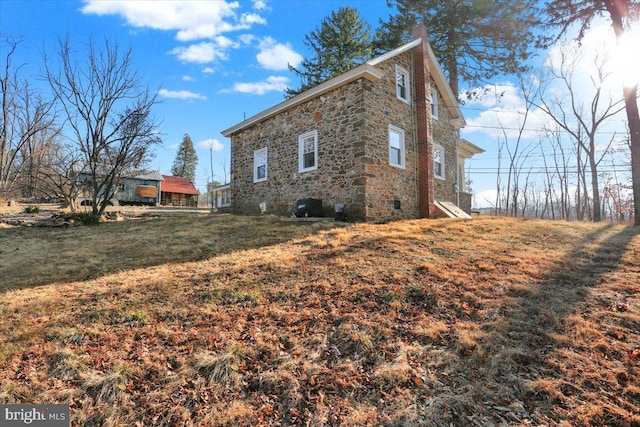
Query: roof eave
[(395, 52), (451, 100), (365, 71), (467, 149)]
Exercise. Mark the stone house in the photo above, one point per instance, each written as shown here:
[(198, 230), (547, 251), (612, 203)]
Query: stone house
[(382, 140)]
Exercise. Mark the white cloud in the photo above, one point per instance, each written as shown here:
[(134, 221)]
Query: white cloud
[(181, 94), (272, 84), (507, 95), (248, 19), (246, 39), (504, 112), (503, 105), (186, 78), (208, 70), (205, 52), (192, 20), (211, 143), (599, 45), (500, 122), (260, 5), (277, 56), (485, 199)]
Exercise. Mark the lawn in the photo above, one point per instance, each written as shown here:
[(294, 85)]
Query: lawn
[(227, 321)]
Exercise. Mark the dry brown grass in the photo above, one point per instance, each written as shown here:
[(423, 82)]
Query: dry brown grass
[(41, 256), (257, 322)]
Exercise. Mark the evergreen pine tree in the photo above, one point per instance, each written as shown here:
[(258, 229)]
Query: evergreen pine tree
[(341, 43), (186, 160), (474, 40)]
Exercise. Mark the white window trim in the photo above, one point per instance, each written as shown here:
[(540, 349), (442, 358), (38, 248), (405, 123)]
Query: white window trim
[(407, 80), (440, 148), (301, 139), (434, 103), (256, 155), (221, 198), (400, 132)]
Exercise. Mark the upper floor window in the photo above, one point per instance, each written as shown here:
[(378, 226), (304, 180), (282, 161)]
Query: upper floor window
[(434, 103), (260, 165), (402, 84), (396, 147), (308, 151), (438, 161)]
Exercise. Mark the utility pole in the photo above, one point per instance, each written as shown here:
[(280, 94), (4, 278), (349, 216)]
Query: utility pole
[(210, 189)]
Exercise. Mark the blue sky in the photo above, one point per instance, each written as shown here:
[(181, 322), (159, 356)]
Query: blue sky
[(215, 62)]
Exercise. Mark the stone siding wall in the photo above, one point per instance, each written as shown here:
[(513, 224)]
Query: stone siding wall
[(386, 185), (338, 118), (465, 202), (445, 136)]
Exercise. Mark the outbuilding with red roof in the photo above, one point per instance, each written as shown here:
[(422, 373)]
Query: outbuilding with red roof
[(178, 191)]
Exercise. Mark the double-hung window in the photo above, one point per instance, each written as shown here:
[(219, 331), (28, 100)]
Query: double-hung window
[(396, 147), (224, 198), (260, 165), (402, 84), (438, 161), (434, 103), (308, 151)]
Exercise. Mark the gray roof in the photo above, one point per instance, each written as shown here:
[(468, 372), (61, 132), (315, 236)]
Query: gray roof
[(143, 174)]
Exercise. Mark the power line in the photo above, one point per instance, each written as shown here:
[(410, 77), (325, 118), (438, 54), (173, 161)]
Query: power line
[(549, 156), (545, 171), (544, 131), (608, 165)]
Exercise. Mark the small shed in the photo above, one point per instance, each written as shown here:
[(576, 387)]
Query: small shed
[(178, 191), (135, 187)]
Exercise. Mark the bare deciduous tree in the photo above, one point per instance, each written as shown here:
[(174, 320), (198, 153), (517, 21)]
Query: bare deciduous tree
[(563, 13), (583, 122), (26, 118), (58, 175), (108, 112)]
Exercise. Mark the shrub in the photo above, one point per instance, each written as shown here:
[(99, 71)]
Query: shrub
[(31, 209), (87, 218)]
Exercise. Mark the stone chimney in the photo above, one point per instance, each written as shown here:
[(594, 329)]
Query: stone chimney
[(422, 83)]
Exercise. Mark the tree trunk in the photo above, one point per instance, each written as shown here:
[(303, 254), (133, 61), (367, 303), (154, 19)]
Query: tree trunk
[(633, 116), (595, 190), (617, 10)]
